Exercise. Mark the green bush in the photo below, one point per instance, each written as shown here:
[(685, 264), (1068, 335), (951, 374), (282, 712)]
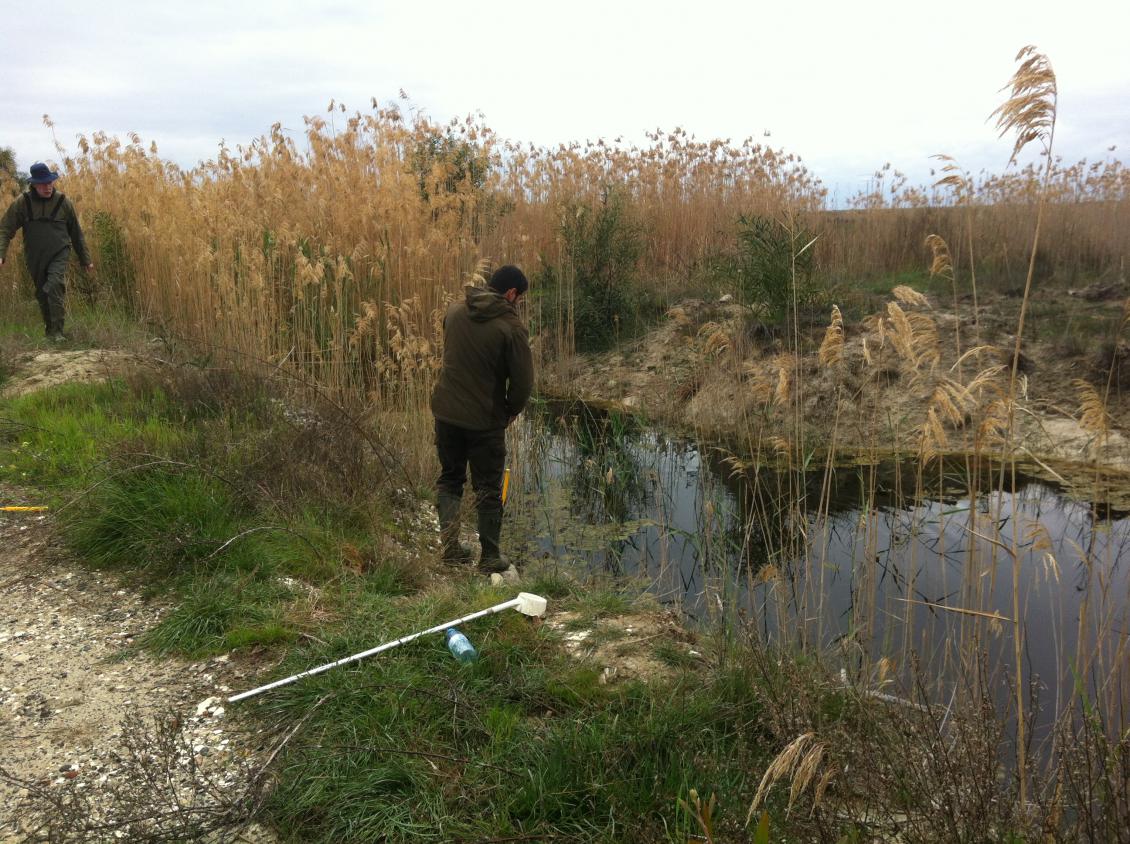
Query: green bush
[(115, 270), (773, 266), (160, 519), (603, 246)]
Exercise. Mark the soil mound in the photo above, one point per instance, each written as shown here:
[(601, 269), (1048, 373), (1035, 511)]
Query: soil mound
[(37, 370)]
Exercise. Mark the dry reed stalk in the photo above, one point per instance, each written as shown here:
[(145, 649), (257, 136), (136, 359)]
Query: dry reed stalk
[(1029, 112), (960, 183)]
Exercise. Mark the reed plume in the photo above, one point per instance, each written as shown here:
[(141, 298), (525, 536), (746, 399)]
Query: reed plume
[(784, 386), (1030, 109), (910, 296), (1030, 112), (1094, 416), (832, 347), (800, 762)]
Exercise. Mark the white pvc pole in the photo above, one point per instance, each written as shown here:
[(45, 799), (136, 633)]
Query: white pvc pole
[(523, 601)]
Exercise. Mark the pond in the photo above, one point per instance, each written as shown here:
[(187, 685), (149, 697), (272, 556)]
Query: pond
[(885, 564)]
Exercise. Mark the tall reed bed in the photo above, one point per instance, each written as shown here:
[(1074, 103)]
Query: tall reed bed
[(336, 249), (992, 214)]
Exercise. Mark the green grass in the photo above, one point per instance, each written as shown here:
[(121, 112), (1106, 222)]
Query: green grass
[(414, 746), (920, 280), (88, 326), (151, 479), (219, 614), (55, 438), (1072, 324)]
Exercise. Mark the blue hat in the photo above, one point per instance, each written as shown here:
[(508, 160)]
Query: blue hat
[(41, 174)]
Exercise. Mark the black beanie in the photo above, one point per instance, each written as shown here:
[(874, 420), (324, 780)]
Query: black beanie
[(509, 278)]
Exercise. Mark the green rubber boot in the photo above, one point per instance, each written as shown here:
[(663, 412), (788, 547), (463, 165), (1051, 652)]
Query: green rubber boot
[(455, 553), (490, 531)]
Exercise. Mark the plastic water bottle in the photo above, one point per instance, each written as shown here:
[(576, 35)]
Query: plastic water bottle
[(460, 646)]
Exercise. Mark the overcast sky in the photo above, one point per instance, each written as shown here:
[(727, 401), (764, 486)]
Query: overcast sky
[(845, 85)]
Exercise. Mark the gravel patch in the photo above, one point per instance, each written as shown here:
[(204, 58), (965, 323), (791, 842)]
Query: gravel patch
[(92, 726)]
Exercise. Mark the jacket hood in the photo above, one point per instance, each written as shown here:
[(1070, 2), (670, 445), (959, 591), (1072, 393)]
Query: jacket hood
[(483, 304)]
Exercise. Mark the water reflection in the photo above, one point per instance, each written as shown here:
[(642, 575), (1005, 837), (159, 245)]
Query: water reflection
[(848, 556)]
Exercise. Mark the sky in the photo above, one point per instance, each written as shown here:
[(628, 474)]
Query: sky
[(846, 86)]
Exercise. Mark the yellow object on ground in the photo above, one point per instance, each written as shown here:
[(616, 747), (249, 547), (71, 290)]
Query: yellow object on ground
[(17, 509), (505, 484)]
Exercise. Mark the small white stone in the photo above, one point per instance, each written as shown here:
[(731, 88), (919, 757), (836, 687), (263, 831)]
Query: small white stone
[(205, 705)]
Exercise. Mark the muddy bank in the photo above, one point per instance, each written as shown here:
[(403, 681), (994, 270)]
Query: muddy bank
[(913, 379)]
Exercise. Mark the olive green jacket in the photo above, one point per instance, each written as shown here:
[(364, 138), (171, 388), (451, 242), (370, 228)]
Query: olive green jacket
[(56, 228), (488, 371)]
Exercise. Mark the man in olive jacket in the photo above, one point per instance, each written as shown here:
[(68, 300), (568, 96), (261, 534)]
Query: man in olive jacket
[(485, 382), (50, 228)]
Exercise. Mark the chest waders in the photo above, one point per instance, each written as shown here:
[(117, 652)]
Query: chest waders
[(47, 246)]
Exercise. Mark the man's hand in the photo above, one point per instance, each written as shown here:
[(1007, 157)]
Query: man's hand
[(1, 262), (89, 268)]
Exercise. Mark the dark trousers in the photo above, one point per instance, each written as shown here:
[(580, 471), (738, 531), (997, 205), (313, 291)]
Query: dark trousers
[(485, 451), (50, 292)]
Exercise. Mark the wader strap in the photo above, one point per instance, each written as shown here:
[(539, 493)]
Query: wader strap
[(53, 216)]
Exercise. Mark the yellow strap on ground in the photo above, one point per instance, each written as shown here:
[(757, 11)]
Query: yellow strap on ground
[(505, 484), (12, 508)]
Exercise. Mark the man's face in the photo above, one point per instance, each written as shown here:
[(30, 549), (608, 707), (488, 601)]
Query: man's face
[(46, 190)]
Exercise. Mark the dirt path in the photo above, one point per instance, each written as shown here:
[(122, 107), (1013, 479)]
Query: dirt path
[(81, 711)]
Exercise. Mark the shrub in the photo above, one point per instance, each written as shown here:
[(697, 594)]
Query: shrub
[(602, 248), (771, 260), (115, 269)]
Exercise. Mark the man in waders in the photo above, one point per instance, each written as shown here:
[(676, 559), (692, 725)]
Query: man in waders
[(50, 228), (485, 382)]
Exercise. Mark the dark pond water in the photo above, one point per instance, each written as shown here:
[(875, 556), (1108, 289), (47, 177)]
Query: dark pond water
[(854, 557)]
